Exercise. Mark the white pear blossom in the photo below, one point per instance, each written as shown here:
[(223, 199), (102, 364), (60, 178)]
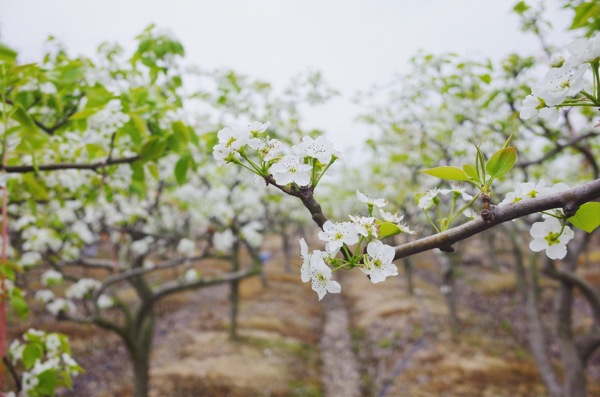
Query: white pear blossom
[(396, 219), (186, 247), (61, 305), (560, 83), (105, 302), (426, 201), (320, 275), (534, 106), (44, 295), (525, 191), (584, 50), (191, 275), (531, 190), (320, 149), (556, 188), (338, 234), (269, 149), (378, 263), (290, 169), (30, 258), (377, 202), (257, 127), (469, 213), (51, 277), (551, 236), (305, 267), (82, 288), (365, 226), (52, 344), (15, 350), (458, 190), (141, 247), (231, 141), (223, 241), (83, 232), (252, 234)]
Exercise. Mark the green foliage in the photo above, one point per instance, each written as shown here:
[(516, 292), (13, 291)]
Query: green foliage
[(387, 229), (587, 217), (448, 173), (586, 15), (7, 54), (501, 162)]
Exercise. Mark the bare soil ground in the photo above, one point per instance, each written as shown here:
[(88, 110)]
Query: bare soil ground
[(375, 341)]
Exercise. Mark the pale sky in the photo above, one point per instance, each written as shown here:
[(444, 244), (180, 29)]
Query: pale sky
[(355, 43)]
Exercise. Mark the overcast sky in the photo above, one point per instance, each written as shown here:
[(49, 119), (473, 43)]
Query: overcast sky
[(355, 43)]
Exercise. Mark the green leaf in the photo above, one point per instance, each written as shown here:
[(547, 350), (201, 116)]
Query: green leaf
[(19, 305), (587, 217), (520, 7), (486, 78), (7, 54), (31, 353), (181, 169), (447, 172), (139, 123), (153, 149), (387, 229), (501, 162), (8, 272), (153, 169), (97, 96), (37, 190), (181, 131), (94, 150), (84, 114), (583, 13), (471, 172), (23, 117), (47, 382)]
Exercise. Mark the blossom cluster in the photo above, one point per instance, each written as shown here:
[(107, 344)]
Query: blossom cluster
[(552, 234), (430, 199), (376, 263), (47, 360), (302, 164), (564, 80), (81, 290)]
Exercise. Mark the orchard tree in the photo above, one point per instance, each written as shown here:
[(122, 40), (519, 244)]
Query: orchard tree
[(498, 121)]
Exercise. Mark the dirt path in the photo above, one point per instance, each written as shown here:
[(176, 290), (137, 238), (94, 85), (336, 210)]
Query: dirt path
[(340, 373)]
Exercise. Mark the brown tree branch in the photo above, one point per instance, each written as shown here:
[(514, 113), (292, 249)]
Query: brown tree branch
[(21, 169), (557, 149), (569, 200)]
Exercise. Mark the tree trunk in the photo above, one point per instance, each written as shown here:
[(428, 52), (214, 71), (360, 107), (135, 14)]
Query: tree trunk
[(234, 295), (286, 252), (140, 356), (536, 334), (408, 275), (575, 384), (447, 261)]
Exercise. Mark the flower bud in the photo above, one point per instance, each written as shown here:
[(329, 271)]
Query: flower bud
[(557, 61)]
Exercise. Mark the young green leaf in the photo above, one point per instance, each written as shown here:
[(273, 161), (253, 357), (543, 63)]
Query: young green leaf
[(153, 149), (7, 54), (181, 169), (501, 162), (471, 172), (447, 172), (31, 353), (587, 217), (19, 305), (387, 229)]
